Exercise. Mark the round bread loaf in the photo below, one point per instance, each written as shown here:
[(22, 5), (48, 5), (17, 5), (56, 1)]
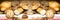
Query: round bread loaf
[(54, 5), (9, 14), (5, 5), (50, 13), (35, 5), (24, 5)]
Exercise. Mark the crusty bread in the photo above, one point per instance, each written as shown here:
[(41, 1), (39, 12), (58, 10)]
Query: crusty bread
[(3, 9), (54, 5), (24, 5), (5, 5), (50, 13), (35, 5), (39, 9), (18, 11), (9, 13)]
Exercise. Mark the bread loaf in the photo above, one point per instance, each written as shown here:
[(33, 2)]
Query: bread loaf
[(9, 13), (35, 5), (54, 5), (24, 5), (5, 5)]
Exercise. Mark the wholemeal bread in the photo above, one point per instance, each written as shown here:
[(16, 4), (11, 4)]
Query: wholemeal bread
[(6, 4), (3, 9)]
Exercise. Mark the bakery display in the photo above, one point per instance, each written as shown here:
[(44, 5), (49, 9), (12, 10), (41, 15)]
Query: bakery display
[(29, 10)]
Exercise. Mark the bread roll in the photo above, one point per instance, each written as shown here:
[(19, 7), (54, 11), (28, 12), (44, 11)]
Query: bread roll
[(3, 9), (5, 5), (35, 5), (9, 13), (18, 11), (54, 5), (24, 5), (50, 13), (41, 11)]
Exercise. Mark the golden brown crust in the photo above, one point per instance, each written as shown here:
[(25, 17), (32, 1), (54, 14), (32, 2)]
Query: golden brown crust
[(5, 5), (35, 5), (20, 10), (9, 13), (54, 5), (39, 9), (50, 13), (24, 5)]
